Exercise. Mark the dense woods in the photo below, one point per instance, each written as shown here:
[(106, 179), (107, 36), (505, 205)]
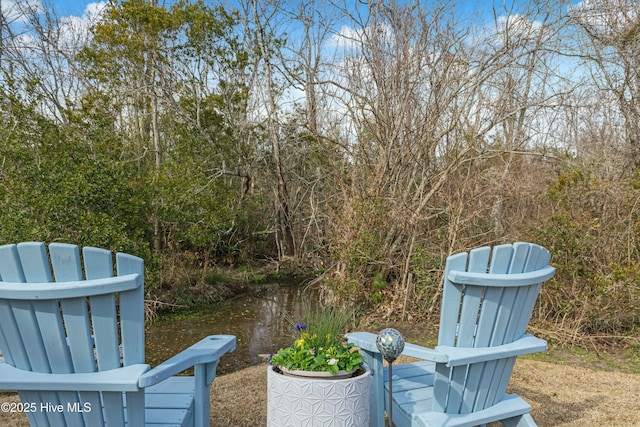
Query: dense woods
[(362, 142)]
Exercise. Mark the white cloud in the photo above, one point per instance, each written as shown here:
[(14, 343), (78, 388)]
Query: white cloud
[(353, 38), (518, 28), (94, 10), (346, 38), (75, 29), (17, 11), (518, 24), (515, 29)]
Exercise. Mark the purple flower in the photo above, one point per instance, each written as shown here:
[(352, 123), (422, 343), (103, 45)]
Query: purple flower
[(301, 326)]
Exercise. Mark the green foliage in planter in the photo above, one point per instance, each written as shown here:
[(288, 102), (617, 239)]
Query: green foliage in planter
[(319, 345)]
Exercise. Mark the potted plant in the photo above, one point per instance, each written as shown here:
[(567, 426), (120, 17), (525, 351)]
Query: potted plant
[(320, 379)]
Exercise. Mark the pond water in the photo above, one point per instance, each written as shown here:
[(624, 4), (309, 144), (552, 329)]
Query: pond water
[(258, 320)]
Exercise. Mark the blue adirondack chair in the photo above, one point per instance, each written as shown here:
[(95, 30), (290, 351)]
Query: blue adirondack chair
[(74, 347), (487, 301)]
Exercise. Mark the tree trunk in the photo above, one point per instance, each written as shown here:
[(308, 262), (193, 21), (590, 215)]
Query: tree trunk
[(285, 238)]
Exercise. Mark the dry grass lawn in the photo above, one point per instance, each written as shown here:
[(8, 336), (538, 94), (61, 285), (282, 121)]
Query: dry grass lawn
[(560, 395)]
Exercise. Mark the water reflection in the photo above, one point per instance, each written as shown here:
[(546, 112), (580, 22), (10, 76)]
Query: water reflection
[(258, 321)]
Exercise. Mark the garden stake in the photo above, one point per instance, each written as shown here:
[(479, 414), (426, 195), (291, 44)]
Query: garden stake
[(390, 343)]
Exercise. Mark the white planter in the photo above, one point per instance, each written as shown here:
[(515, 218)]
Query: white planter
[(310, 402)]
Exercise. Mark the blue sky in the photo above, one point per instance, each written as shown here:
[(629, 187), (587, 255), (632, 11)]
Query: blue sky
[(71, 7), (77, 7)]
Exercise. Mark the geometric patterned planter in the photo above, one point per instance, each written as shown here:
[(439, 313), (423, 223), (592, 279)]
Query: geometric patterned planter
[(294, 401)]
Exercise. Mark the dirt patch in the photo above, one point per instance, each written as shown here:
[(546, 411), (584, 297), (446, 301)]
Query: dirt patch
[(559, 395), (562, 395)]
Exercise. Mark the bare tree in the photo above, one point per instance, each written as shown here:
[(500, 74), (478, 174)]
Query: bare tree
[(38, 50), (262, 16), (425, 95), (612, 30)]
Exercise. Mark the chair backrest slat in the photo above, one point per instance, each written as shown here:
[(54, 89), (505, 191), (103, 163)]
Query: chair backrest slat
[(503, 316), (451, 295), (490, 384), (53, 336), (79, 337), (500, 264), (93, 417), (65, 260), (501, 259), (501, 381), (35, 263), (103, 316), (10, 265), (16, 353), (98, 263), (131, 311), (475, 374), (114, 409), (519, 257), (11, 270), (478, 260), (29, 332)]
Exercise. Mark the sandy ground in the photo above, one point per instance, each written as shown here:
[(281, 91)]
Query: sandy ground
[(560, 395)]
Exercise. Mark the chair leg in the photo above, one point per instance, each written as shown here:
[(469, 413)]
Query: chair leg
[(204, 374), (520, 421), (376, 401)]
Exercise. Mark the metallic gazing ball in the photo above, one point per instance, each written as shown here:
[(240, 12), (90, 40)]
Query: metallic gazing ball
[(390, 343)]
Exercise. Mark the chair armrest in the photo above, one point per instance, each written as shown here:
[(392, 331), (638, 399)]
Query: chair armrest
[(526, 344), (455, 356), (367, 342), (207, 350), (364, 340), (120, 379), (424, 353)]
